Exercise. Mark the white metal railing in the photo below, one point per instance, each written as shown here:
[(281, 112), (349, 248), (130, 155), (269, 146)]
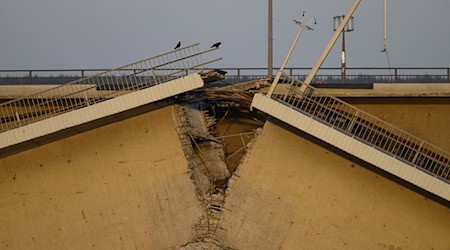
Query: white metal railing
[(94, 89), (368, 129)]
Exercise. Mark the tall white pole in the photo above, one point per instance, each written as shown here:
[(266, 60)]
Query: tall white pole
[(343, 58), (270, 42), (385, 26)]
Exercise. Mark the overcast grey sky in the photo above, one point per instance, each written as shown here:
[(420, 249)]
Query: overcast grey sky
[(109, 33)]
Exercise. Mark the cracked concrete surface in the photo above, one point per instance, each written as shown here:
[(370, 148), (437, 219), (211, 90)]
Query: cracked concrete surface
[(121, 186), (291, 193), (209, 174), (131, 185)]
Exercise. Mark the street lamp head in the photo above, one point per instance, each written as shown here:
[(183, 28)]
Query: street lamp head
[(350, 26), (303, 24), (299, 23)]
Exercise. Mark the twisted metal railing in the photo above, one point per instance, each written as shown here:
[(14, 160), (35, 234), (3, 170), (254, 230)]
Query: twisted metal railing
[(104, 86), (368, 129)]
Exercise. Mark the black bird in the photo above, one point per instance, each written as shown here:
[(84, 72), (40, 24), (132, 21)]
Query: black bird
[(216, 45), (178, 45)]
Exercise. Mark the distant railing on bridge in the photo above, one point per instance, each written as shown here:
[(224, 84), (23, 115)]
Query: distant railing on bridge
[(235, 75)]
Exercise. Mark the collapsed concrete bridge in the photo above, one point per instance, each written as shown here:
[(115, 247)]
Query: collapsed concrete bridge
[(156, 177)]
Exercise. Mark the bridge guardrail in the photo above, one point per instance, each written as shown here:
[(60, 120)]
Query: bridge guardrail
[(368, 129), (326, 75), (100, 87)]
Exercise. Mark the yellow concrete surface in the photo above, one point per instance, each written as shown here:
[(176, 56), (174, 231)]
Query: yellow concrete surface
[(392, 90), (19, 91), (126, 186), (122, 186), (380, 90), (290, 193), (425, 118)]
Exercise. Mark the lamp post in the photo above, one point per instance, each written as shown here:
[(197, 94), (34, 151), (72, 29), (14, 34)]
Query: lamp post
[(385, 27), (270, 41), (349, 27), (302, 26)]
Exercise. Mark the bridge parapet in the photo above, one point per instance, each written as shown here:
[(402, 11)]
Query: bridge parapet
[(362, 135), (95, 89)]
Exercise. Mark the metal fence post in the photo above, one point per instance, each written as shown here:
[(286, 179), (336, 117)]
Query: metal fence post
[(18, 118), (396, 74), (238, 75), (30, 75), (448, 74)]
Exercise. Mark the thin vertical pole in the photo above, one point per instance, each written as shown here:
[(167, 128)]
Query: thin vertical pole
[(385, 26), (343, 58), (238, 75), (270, 42), (448, 74)]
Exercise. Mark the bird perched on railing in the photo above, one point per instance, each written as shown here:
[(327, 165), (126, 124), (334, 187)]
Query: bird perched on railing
[(216, 45), (178, 45)]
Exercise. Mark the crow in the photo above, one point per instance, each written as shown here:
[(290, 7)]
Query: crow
[(178, 45), (216, 45)]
